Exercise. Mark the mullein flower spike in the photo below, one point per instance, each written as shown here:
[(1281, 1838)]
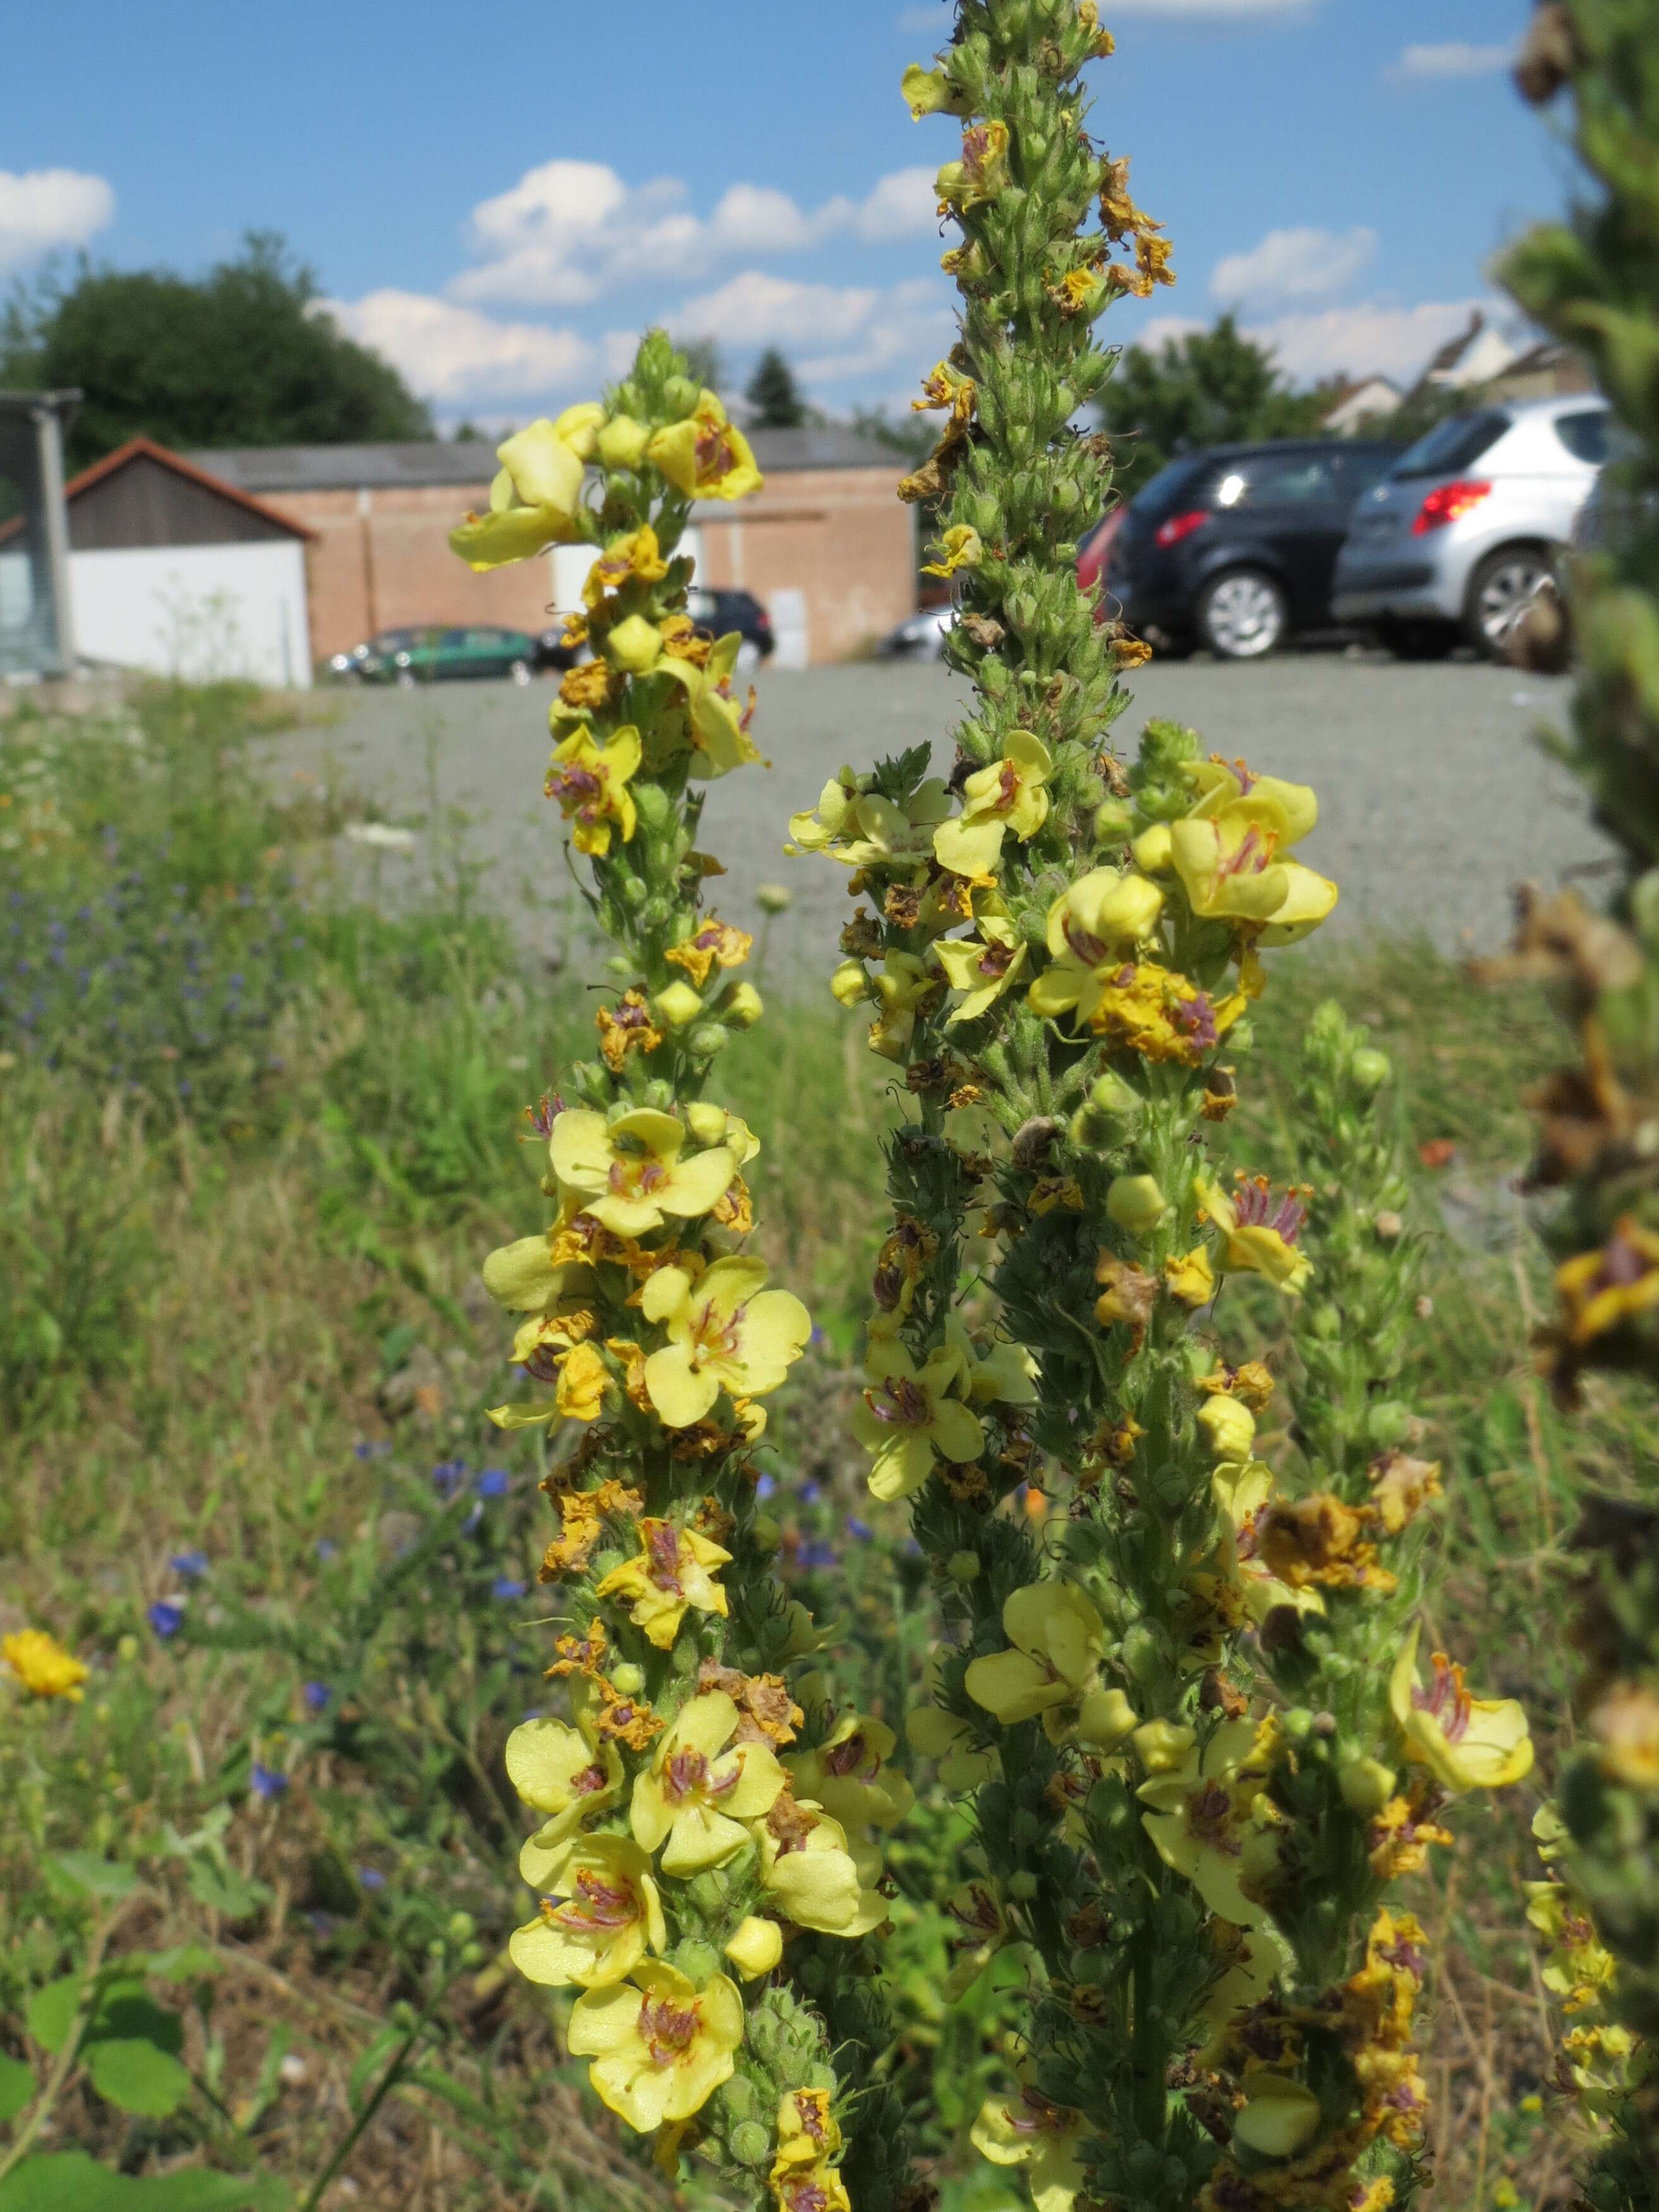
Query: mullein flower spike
[(1063, 956), (678, 1856)]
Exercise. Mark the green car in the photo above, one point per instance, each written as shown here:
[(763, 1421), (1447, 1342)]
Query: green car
[(408, 657)]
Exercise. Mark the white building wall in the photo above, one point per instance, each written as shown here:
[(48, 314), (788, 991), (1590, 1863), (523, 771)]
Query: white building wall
[(199, 612)]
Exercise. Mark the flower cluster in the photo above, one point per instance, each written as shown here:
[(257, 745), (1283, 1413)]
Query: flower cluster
[(693, 1817), (1594, 285), (1061, 956)]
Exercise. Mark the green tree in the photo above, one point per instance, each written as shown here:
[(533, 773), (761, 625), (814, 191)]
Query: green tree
[(1206, 388), (775, 395), (242, 356)]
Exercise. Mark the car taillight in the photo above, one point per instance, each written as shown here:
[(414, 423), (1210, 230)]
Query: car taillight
[(1180, 525), (1448, 503)]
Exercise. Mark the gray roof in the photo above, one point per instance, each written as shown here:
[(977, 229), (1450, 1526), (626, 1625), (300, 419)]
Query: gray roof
[(442, 461)]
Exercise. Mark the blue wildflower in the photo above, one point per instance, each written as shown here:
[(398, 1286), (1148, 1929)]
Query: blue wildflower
[(507, 1587), (494, 1482), (317, 1696), (192, 1565), (766, 1487), (327, 1549), (166, 1617), (861, 1529), (818, 1553), (370, 1878), (448, 1476), (268, 1782)]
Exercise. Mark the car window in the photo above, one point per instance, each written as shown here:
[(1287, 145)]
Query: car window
[(1456, 443), (1584, 435), (1301, 479), (1157, 496), (453, 641), (1358, 467), (486, 640)]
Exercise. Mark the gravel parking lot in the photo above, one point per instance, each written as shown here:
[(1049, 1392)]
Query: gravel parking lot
[(1435, 799)]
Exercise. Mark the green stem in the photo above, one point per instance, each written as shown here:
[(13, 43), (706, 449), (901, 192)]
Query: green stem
[(383, 2089), (64, 2064)]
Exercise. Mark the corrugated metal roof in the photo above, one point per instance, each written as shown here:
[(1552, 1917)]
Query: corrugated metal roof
[(266, 468)]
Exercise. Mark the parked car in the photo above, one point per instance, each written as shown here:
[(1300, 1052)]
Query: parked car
[(1460, 535), (723, 610), (1234, 547), (919, 636), (432, 655)]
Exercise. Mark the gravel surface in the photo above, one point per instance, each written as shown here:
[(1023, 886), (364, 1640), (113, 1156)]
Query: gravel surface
[(1435, 796)]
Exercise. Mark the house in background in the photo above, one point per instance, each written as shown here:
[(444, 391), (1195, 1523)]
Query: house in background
[(827, 546), (1549, 370), (1365, 400), (1473, 357), (173, 571)]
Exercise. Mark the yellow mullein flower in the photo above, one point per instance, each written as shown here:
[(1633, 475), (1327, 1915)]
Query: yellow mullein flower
[(1012, 793), (42, 1666), (1228, 853), (982, 968), (908, 1419), (707, 456), (717, 722), (670, 1574), (1026, 2129), (1280, 2116), (1599, 1290), (1053, 1673), (982, 172), (1259, 1238), (1190, 1279), (865, 830), (807, 1869), (660, 2046), (632, 558), (1465, 1742), (904, 987), (700, 1786), (1228, 1426), (755, 1946), (629, 1174), (810, 2189), (1209, 1820), (566, 1775), (536, 500), (960, 547), (808, 2133), (610, 1913), (713, 943), (725, 1331), (938, 1734), (1092, 927), (930, 91), (847, 1776), (523, 1278), (590, 782), (1002, 1374)]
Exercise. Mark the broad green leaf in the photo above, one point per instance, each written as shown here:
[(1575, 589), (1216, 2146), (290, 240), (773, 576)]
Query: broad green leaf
[(127, 2013), (16, 2086), (102, 1877), (51, 2012), (68, 2181), (134, 2076)]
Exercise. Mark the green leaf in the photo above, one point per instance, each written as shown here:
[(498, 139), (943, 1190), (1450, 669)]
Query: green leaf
[(134, 2076), (126, 2013), (68, 2181), (51, 2012), (16, 2086), (190, 1962), (102, 1877), (221, 1889)]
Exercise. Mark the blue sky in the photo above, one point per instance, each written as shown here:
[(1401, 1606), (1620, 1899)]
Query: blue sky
[(500, 196)]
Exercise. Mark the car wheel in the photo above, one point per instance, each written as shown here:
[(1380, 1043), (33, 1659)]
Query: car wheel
[(519, 671), (749, 658), (406, 680), (1416, 641), (1243, 615), (1503, 587)]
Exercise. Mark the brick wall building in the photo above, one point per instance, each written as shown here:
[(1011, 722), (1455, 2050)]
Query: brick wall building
[(828, 527)]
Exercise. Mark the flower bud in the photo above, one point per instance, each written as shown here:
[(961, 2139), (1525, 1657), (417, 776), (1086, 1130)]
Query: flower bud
[(750, 2143), (1229, 1427), (706, 1039), (634, 645), (622, 442), (696, 1960), (1161, 1746), (964, 1567), (1112, 821), (1372, 1069), (1154, 849), (754, 1948), (1136, 1203), (677, 1004), (1389, 1423), (628, 1679), (765, 1533), (1104, 1719), (1365, 1783), (773, 898), (850, 983), (742, 1006), (1022, 1887)]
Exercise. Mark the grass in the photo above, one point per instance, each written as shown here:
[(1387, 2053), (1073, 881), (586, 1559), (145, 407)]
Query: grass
[(243, 1361)]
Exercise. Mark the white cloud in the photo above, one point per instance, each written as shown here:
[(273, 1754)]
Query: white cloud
[(1294, 264), (1214, 11), (1458, 58), (569, 231), (44, 210), (835, 334), (1392, 342), (456, 356)]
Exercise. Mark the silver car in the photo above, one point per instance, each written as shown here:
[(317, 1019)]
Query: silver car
[(1460, 534)]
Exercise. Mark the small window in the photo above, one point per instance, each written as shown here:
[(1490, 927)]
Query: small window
[(486, 640), (1301, 479), (1584, 435), (1457, 443), (1359, 467)]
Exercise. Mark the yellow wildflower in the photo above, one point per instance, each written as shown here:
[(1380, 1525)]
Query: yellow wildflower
[(1209, 1819), (1624, 1723), (660, 2046), (807, 1867), (1190, 1278), (959, 548), (982, 172), (627, 1027), (715, 943), (1012, 793), (1258, 1237), (567, 1776), (808, 2133), (535, 500), (982, 968), (590, 782), (725, 1331), (670, 1574), (1465, 1742), (908, 1419), (700, 1786), (930, 91), (706, 456), (628, 1174), (1092, 927), (634, 558), (42, 1666), (865, 830), (1053, 1673), (609, 1913), (1600, 1289), (848, 1775), (1228, 852), (1026, 2129)]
